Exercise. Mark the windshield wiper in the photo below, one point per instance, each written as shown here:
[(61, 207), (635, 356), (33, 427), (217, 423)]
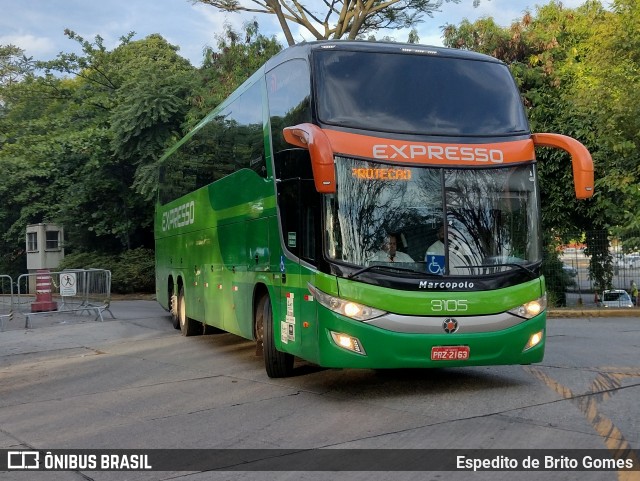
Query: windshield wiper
[(532, 274), (385, 267)]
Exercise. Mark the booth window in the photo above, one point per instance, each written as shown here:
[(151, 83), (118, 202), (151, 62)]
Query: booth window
[(32, 241), (52, 240)]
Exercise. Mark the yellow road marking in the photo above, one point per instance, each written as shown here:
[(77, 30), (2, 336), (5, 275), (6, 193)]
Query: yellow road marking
[(602, 388)]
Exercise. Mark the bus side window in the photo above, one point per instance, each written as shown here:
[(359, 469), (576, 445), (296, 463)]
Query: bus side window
[(244, 133), (300, 215), (289, 91), (298, 202)]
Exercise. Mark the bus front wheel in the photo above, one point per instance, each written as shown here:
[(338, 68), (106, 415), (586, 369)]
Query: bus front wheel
[(188, 326), (277, 363)]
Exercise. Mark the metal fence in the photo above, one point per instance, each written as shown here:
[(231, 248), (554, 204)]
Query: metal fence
[(44, 293), (6, 300), (587, 268)]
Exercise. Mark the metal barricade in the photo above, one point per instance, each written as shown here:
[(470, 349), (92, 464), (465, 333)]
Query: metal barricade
[(6, 300), (74, 290)]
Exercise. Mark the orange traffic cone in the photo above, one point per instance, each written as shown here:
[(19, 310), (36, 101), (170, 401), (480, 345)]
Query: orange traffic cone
[(44, 301)]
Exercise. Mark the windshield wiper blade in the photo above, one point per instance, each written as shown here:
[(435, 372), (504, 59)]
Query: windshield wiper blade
[(532, 274), (384, 267)]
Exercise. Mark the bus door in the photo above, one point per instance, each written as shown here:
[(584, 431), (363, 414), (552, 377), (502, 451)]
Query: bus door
[(289, 317), (300, 207), (289, 275), (289, 190)]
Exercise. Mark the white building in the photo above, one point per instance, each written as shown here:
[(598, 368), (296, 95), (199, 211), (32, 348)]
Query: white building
[(45, 248)]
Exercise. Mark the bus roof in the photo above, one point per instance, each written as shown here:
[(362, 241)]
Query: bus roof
[(303, 50)]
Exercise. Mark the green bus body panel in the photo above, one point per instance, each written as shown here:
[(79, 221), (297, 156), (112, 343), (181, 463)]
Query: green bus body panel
[(387, 349), (312, 341), (220, 253), (418, 303)]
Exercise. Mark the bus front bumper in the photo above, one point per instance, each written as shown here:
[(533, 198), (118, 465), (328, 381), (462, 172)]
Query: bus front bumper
[(353, 344)]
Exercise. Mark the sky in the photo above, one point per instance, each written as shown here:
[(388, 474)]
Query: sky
[(37, 26)]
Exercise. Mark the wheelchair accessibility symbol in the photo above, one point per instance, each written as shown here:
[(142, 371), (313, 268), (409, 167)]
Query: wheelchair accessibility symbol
[(435, 264)]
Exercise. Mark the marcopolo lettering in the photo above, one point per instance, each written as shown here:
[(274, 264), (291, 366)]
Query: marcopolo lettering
[(437, 152), (445, 285), (180, 216)]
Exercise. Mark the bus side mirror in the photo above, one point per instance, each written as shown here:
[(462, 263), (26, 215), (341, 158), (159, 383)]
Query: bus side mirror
[(581, 160), (309, 136)]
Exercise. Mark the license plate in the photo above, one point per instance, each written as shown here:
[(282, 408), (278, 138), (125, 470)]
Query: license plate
[(450, 353)]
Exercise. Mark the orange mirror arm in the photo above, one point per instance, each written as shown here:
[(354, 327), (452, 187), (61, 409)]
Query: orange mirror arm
[(311, 137), (581, 160)]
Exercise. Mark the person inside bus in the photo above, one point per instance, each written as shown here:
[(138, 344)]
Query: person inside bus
[(434, 257), (437, 248), (390, 252)]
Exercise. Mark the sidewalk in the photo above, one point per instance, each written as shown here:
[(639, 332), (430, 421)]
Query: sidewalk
[(592, 311)]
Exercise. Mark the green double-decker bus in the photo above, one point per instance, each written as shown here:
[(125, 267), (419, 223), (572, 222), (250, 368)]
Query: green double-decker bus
[(362, 205)]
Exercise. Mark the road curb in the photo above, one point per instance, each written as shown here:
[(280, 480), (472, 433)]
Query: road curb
[(602, 312)]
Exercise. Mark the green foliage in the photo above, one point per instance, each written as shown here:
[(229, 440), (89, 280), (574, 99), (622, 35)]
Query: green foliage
[(81, 149), (238, 55), (74, 145), (14, 65), (557, 281), (135, 272), (132, 271)]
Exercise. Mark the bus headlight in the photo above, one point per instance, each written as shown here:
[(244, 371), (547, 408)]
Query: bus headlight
[(531, 309), (350, 309)]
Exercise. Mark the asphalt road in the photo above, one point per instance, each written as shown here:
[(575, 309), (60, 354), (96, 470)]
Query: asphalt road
[(134, 383)]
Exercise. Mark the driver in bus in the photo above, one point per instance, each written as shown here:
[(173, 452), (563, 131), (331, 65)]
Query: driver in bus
[(390, 252)]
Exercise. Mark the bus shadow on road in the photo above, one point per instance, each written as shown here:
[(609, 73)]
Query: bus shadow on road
[(383, 382)]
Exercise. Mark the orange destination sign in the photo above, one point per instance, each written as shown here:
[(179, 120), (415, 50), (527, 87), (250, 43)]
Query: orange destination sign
[(381, 173)]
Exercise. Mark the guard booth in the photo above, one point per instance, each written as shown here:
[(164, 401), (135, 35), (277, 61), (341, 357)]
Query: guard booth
[(45, 249)]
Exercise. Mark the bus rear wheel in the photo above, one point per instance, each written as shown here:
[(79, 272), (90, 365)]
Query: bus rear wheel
[(173, 309), (276, 363), (188, 326)]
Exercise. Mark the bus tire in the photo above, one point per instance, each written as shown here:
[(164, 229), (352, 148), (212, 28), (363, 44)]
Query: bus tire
[(173, 309), (188, 326), (276, 363)]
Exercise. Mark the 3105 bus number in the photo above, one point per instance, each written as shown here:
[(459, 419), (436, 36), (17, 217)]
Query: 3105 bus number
[(450, 353)]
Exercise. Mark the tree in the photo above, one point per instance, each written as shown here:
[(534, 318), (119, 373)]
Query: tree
[(537, 48), (14, 65), (73, 145), (81, 149), (341, 18), (237, 56), (608, 92)]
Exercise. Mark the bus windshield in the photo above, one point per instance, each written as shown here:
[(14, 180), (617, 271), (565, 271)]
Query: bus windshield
[(432, 96), (440, 221)]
